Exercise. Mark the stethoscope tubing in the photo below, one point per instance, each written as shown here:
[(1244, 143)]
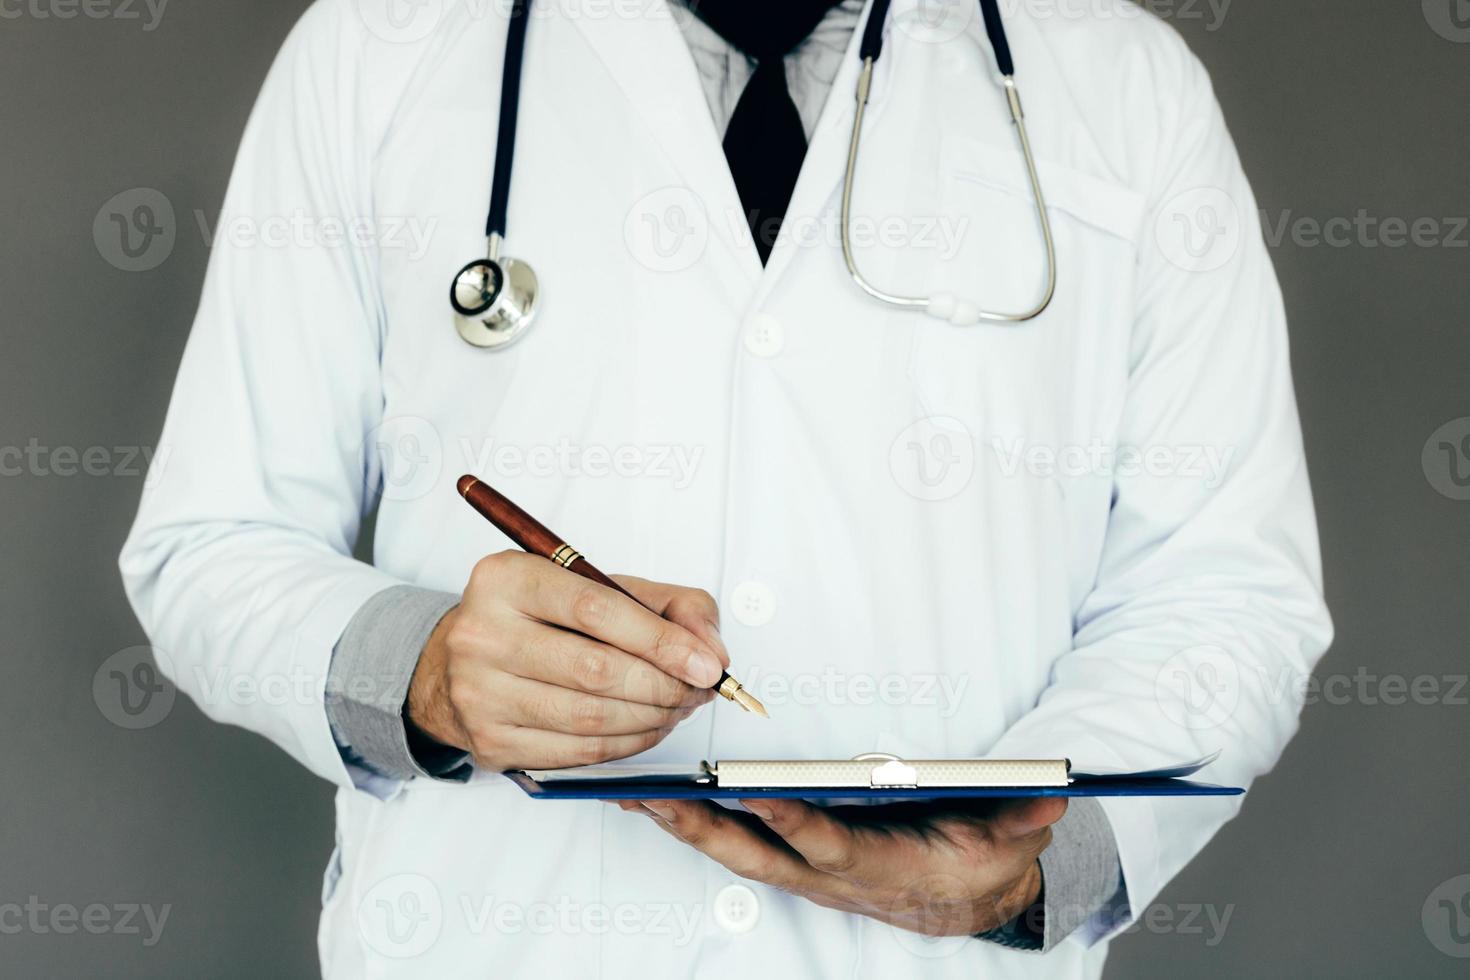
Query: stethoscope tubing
[(510, 101), (506, 320)]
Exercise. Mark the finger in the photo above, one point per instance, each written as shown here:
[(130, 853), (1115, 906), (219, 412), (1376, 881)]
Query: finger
[(554, 595), (827, 844), (535, 704), (571, 660), (1027, 818), (693, 609), (731, 840), (533, 749)]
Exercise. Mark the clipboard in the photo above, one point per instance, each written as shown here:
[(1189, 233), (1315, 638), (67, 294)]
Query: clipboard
[(871, 778)]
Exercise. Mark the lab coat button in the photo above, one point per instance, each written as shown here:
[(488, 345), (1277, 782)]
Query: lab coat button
[(737, 909), (764, 335), (752, 603)]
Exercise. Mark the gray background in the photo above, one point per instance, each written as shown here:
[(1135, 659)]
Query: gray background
[(1338, 105)]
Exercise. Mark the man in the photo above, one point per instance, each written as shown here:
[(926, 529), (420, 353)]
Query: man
[(1087, 536)]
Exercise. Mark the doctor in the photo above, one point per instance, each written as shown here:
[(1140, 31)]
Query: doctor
[(1088, 534)]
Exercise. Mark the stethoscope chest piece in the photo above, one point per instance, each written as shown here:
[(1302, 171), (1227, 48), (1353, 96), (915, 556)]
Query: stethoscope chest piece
[(494, 301)]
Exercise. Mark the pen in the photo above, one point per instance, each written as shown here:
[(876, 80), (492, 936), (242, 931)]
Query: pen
[(531, 535)]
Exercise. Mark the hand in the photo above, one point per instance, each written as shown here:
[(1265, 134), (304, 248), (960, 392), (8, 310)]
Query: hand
[(929, 869), (539, 668)]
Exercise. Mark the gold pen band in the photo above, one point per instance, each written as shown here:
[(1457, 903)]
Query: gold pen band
[(564, 555)]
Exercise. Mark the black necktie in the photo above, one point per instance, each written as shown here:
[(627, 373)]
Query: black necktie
[(764, 142)]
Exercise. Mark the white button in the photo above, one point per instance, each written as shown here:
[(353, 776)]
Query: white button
[(737, 909), (764, 335), (753, 603)]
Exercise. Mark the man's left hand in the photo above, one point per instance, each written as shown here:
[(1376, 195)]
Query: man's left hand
[(939, 871)]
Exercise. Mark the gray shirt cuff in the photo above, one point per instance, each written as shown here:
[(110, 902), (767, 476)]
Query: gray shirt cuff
[(1080, 873), (367, 687)]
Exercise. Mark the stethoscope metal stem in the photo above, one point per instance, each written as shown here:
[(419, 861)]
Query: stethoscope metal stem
[(947, 308), (1018, 116), (864, 84)]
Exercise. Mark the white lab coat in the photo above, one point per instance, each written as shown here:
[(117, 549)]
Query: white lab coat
[(865, 490)]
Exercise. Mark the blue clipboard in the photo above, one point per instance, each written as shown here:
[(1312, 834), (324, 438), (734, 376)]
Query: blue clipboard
[(607, 789), (656, 783)]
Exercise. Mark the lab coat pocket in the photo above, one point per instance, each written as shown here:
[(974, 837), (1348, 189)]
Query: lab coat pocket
[(1044, 378), (1029, 409)]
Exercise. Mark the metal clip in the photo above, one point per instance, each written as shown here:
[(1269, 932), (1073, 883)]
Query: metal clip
[(894, 773)]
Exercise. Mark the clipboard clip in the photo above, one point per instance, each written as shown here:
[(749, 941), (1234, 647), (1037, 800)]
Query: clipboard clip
[(894, 773)]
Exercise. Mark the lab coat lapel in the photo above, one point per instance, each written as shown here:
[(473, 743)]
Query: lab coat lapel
[(650, 61)]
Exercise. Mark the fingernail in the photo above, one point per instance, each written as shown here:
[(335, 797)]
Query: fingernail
[(704, 669), (759, 809), (661, 810)]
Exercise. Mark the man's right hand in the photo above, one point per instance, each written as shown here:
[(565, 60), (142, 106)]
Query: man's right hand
[(539, 668)]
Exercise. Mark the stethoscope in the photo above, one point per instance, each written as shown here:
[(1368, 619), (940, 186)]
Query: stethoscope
[(495, 298)]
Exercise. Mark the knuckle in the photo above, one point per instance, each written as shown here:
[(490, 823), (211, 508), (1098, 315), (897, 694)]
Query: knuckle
[(748, 867), (590, 607), (460, 695), (647, 685), (704, 602), (485, 748), (463, 697), (587, 715), (839, 862), (506, 575), (457, 637), (592, 669), (489, 571), (665, 639), (461, 637), (695, 829)]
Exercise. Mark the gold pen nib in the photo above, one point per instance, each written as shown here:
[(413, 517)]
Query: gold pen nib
[(749, 702), (730, 689)]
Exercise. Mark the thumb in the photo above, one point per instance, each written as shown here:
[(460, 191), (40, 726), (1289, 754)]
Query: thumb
[(693, 609), (1024, 817)]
